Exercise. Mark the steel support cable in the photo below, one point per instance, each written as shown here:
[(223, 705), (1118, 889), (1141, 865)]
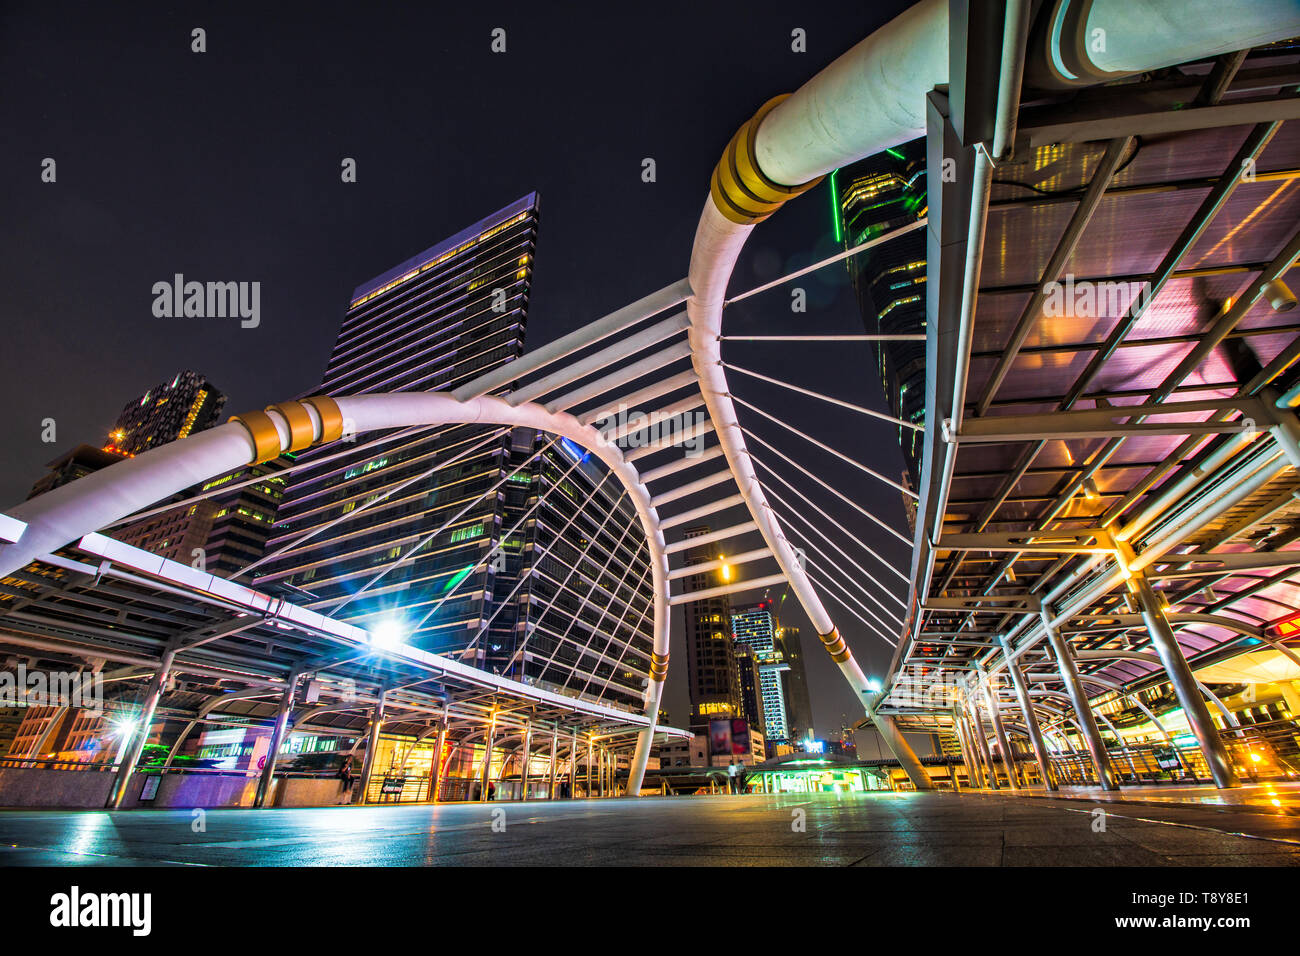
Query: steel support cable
[(902, 337), (505, 537), (867, 574), (861, 247), (586, 599), (824, 447), (564, 587), (405, 483), (622, 618), (289, 470), (840, 495), (825, 398), (403, 558), (559, 536), (827, 567), (607, 681), (875, 630), (561, 587)]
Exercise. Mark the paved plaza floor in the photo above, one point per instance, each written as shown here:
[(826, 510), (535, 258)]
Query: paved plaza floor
[(869, 829)]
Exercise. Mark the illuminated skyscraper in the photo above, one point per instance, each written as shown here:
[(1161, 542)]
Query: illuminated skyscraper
[(187, 404), (874, 196), (711, 668), (493, 587), (755, 625)]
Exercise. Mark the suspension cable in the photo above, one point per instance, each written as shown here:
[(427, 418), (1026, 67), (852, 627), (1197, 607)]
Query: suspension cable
[(826, 398), (827, 448), (861, 247)]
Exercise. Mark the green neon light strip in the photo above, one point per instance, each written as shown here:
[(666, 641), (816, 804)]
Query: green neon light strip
[(456, 578), (835, 207)]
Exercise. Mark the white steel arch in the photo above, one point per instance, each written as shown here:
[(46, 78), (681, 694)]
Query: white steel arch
[(67, 513)]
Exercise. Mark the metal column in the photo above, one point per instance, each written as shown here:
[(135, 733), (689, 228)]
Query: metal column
[(995, 715), (573, 766), (982, 744), (372, 744), (1084, 718), (151, 697), (523, 770), (967, 749), (435, 772), (1031, 721), (277, 740), (1185, 686), (901, 750), (486, 771), (555, 750)]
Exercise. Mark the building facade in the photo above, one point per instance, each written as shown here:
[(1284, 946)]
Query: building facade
[(188, 403), (711, 671), (507, 551), (755, 625), (873, 196)]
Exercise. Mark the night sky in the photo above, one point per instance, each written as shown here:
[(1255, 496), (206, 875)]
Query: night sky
[(225, 166)]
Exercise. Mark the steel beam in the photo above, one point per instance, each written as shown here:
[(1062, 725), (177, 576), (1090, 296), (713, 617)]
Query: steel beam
[(1084, 718)]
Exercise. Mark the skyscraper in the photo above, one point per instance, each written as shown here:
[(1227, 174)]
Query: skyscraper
[(711, 669), (479, 557), (794, 684), (755, 625), (188, 403), (874, 196)]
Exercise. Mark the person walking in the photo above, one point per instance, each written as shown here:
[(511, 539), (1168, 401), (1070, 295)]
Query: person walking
[(345, 778)]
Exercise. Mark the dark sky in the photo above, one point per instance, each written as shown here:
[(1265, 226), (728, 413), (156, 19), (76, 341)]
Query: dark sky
[(225, 166)]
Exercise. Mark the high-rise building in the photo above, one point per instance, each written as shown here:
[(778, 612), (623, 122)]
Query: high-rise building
[(529, 580), (240, 520), (873, 196), (755, 625), (188, 403), (711, 671), (798, 701), (72, 465), (751, 687)]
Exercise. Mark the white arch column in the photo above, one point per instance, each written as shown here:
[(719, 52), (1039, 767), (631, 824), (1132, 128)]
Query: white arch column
[(68, 513)]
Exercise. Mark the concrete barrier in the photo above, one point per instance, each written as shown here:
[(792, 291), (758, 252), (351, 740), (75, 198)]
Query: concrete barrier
[(89, 790), (45, 787)]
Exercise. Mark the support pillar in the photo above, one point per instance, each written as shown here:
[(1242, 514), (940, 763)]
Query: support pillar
[(140, 737), (1031, 721), (485, 772), (1004, 748), (982, 744), (589, 755), (901, 750), (959, 726), (372, 744), (523, 770), (1084, 718), (435, 771), (573, 766), (555, 750), (1185, 686), (277, 741)]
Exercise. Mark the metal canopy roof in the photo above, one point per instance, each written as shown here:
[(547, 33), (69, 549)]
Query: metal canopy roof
[(1150, 183), (102, 600)]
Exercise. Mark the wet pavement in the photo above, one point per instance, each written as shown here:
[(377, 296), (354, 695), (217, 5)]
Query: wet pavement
[(869, 829)]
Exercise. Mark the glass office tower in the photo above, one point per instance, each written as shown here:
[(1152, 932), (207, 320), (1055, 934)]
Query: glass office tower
[(874, 196), (755, 625), (492, 587)]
